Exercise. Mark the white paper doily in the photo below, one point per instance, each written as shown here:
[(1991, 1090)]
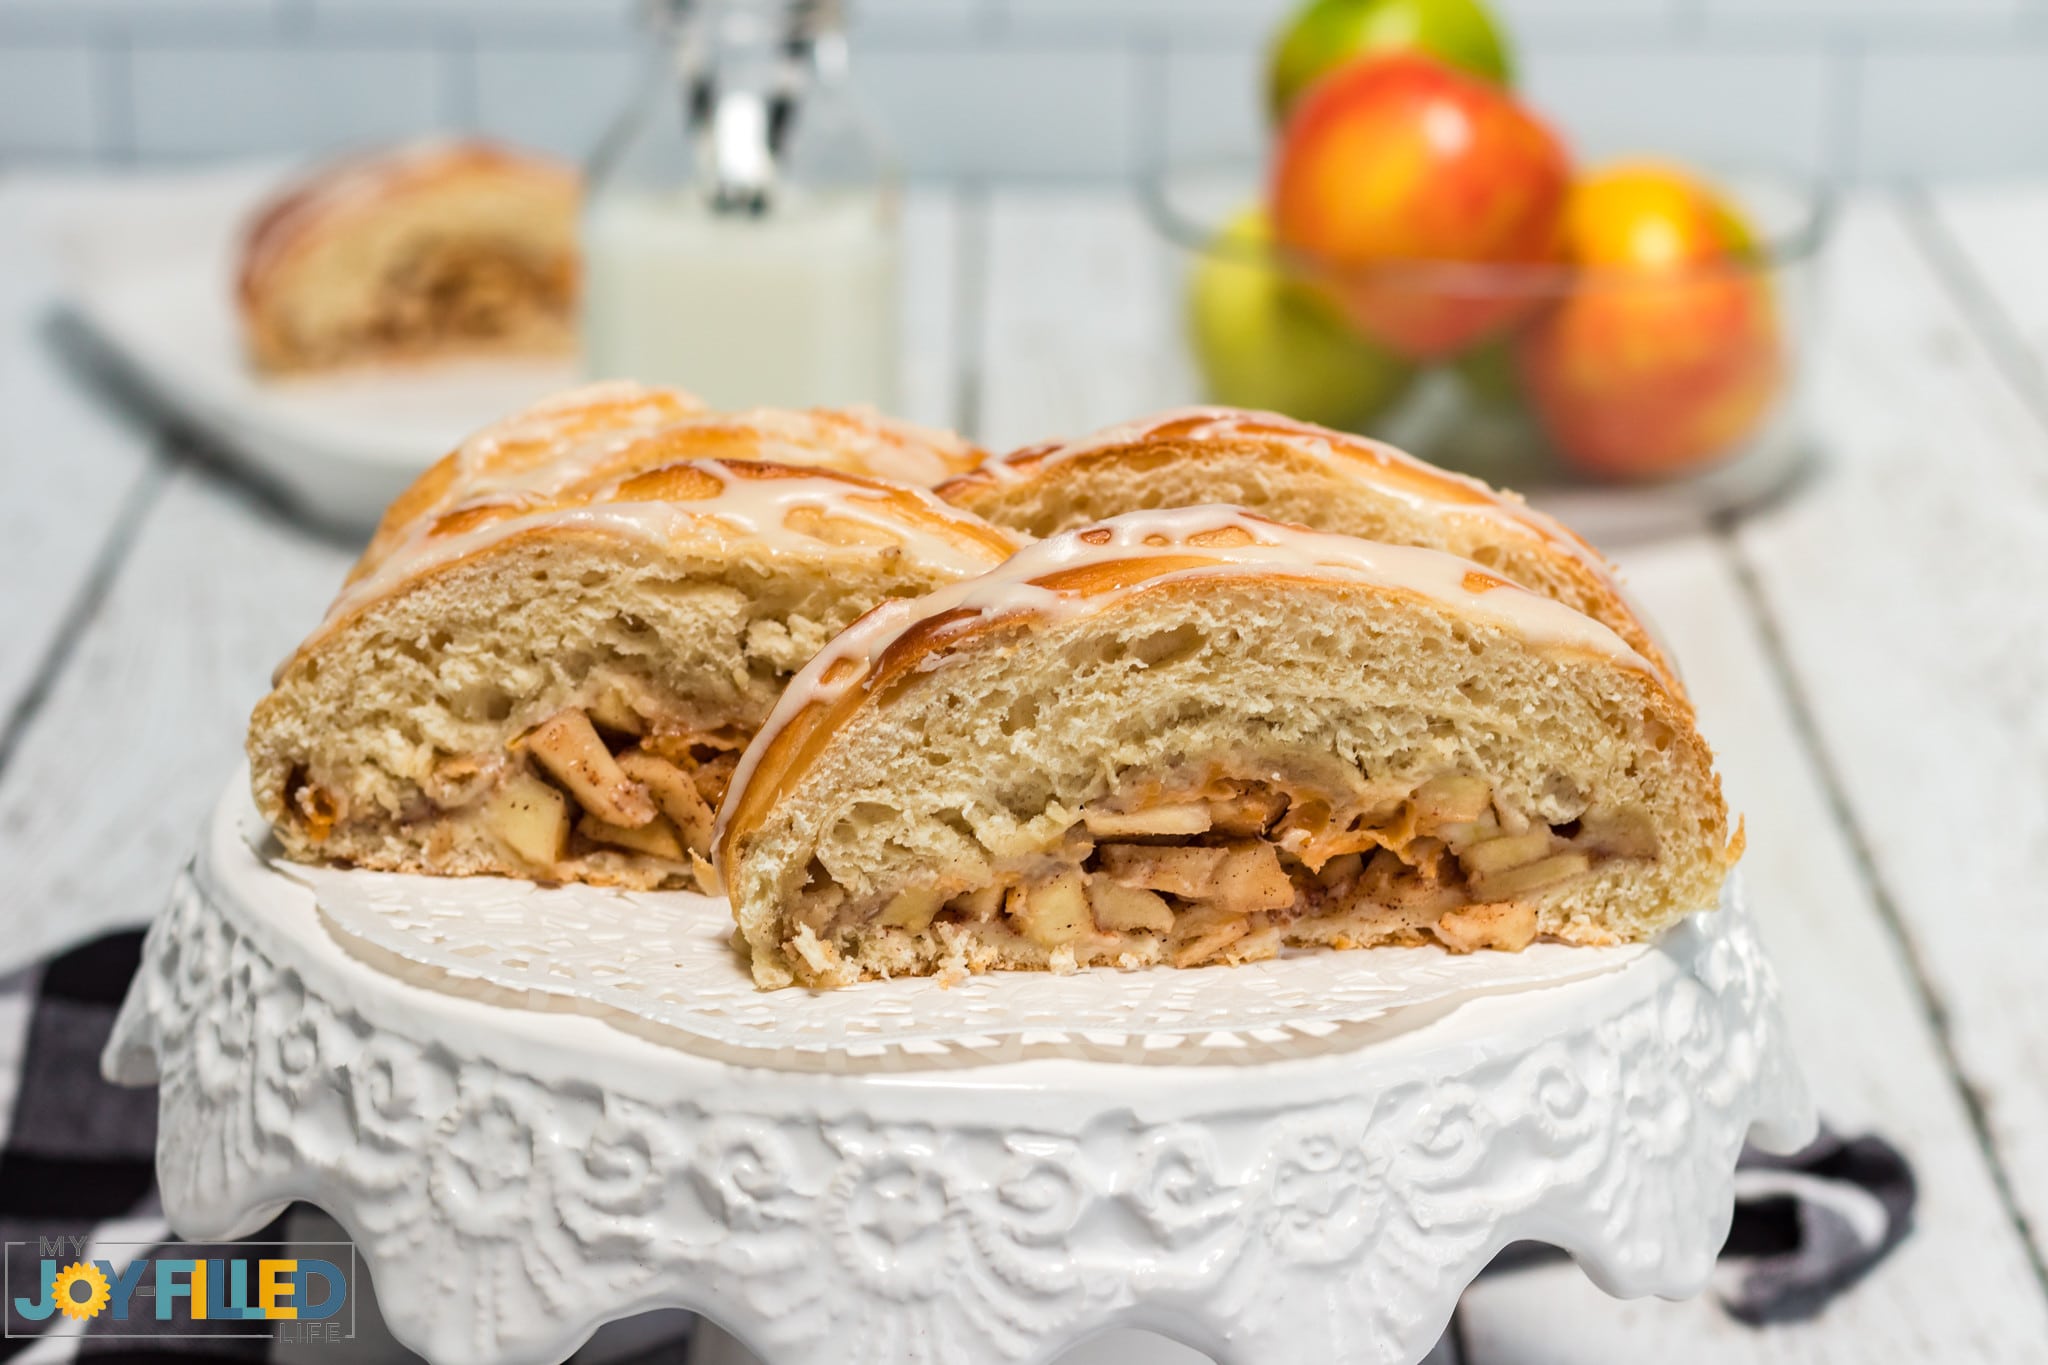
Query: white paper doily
[(666, 959)]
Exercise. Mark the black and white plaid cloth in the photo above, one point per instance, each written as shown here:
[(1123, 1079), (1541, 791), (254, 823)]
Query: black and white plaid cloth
[(78, 1161)]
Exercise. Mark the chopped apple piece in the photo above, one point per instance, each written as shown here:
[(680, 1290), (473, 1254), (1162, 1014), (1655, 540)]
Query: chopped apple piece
[(1341, 869), (657, 838), (1182, 817), (1128, 909), (978, 906), (1508, 850), (1204, 932), (676, 794), (614, 710), (1620, 834), (530, 818), (1536, 876), (1252, 879), (1452, 799), (1509, 926), (912, 909), (1189, 872), (1389, 881), (567, 745), (1054, 912), (1246, 813), (1462, 834)]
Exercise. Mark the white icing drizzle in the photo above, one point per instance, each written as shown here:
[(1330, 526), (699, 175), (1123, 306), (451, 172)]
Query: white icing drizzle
[(748, 511), (1390, 469), (1014, 587), (858, 440)]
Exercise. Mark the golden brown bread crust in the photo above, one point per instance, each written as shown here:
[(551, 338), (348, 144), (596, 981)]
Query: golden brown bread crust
[(443, 199), (1331, 480), (573, 446)]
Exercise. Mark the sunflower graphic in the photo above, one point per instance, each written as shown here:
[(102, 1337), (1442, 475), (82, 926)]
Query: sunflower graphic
[(65, 1289)]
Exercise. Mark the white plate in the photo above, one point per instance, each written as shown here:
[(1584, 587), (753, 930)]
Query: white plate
[(152, 277)]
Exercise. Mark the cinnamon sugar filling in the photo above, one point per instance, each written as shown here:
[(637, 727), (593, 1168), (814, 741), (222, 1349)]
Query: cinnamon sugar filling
[(587, 780), (1228, 868)]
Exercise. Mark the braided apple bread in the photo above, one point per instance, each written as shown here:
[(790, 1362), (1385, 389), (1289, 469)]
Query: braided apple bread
[(1195, 736), (1294, 471), (436, 249), (549, 664)]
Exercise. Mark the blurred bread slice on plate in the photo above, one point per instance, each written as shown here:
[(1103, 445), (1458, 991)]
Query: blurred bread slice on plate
[(425, 252), (152, 268)]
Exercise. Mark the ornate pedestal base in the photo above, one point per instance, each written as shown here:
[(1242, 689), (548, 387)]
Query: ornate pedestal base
[(516, 1176)]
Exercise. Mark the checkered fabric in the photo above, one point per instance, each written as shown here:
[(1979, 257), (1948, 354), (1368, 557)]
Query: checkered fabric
[(78, 1161)]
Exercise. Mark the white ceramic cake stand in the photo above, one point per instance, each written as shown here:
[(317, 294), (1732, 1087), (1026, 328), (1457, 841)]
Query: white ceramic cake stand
[(515, 1177)]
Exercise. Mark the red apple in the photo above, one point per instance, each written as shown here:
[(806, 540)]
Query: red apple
[(1669, 352), (1393, 164)]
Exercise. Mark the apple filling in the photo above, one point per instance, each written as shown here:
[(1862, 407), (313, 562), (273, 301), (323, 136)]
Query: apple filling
[(1228, 869), (565, 798)]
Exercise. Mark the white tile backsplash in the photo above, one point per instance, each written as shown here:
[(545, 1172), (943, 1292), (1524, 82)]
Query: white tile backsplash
[(243, 99), (48, 102), (1747, 108), (1536, 18), (1866, 11), (1070, 89), (104, 17), (1214, 106), (1250, 20), (1032, 113), (559, 100), (480, 20), (1971, 113)]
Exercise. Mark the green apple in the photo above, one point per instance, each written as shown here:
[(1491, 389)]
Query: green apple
[(1265, 341), (1327, 33)]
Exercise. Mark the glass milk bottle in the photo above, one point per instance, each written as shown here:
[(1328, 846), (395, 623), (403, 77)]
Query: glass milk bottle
[(739, 233)]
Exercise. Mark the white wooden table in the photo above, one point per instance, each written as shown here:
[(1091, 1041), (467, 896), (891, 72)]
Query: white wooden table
[(1870, 659)]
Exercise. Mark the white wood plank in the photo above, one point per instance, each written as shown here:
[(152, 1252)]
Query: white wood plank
[(1082, 328), (1960, 1288), (1081, 323), (2000, 226), (105, 794), (67, 464), (1907, 588)]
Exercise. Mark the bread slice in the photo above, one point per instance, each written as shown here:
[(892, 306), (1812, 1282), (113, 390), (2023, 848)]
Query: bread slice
[(551, 668), (1196, 736), (438, 249), (1296, 472)]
